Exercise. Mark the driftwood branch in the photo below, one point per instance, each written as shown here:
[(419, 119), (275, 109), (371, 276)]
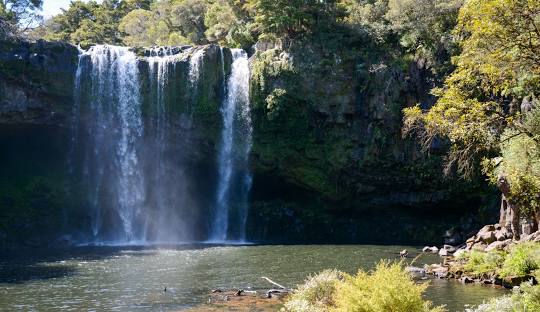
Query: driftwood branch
[(274, 283)]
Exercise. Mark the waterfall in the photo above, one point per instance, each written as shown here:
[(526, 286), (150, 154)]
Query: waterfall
[(137, 145), (111, 165), (230, 211)]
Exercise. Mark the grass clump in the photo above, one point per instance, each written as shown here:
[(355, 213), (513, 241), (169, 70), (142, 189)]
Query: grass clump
[(316, 294), (522, 260), (482, 263), (387, 288)]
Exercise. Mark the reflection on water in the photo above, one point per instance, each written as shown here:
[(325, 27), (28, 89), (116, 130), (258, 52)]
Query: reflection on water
[(130, 279)]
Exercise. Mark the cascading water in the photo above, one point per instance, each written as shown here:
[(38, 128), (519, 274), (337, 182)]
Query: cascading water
[(111, 164), (137, 145), (234, 182)]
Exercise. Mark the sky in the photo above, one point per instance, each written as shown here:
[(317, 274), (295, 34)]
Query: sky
[(52, 7)]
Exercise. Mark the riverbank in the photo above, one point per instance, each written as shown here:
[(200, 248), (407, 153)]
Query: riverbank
[(490, 257)]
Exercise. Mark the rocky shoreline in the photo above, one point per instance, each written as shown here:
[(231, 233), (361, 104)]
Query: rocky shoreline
[(490, 238)]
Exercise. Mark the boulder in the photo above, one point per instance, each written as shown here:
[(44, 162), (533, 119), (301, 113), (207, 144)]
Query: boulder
[(488, 228), (479, 246), (444, 253), (471, 239), (498, 245), (486, 237), (432, 249), (502, 234), (533, 237)]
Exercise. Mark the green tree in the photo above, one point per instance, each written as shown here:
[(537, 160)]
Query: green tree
[(90, 22), (187, 17), (228, 24), (284, 18), (136, 27), (483, 108), (424, 28), (367, 18), (219, 20)]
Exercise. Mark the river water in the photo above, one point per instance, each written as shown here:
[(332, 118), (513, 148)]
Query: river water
[(133, 278)]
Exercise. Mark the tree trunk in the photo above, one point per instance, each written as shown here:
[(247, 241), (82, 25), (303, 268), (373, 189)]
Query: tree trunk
[(509, 213)]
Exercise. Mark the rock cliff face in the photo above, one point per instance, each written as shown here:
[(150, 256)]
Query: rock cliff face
[(328, 122), (36, 81), (331, 122)]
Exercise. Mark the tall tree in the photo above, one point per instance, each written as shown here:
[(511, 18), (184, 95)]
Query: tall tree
[(20, 14), (488, 99)]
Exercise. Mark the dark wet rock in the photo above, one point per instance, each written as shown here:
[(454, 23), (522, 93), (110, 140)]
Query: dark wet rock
[(36, 81), (466, 280)]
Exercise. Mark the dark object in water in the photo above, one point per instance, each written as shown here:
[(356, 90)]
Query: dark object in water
[(403, 253)]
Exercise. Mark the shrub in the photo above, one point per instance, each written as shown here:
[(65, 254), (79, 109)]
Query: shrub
[(388, 288), (522, 260), (481, 263), (316, 294)]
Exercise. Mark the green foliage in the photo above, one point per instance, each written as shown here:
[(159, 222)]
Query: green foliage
[(368, 18), (219, 20), (228, 25), (90, 22), (522, 260), (275, 102), (478, 110), (284, 17), (520, 164), (422, 27), (187, 17), (316, 294), (136, 25), (388, 288), (483, 264)]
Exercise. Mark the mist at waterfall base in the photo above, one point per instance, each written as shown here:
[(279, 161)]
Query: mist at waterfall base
[(135, 148)]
